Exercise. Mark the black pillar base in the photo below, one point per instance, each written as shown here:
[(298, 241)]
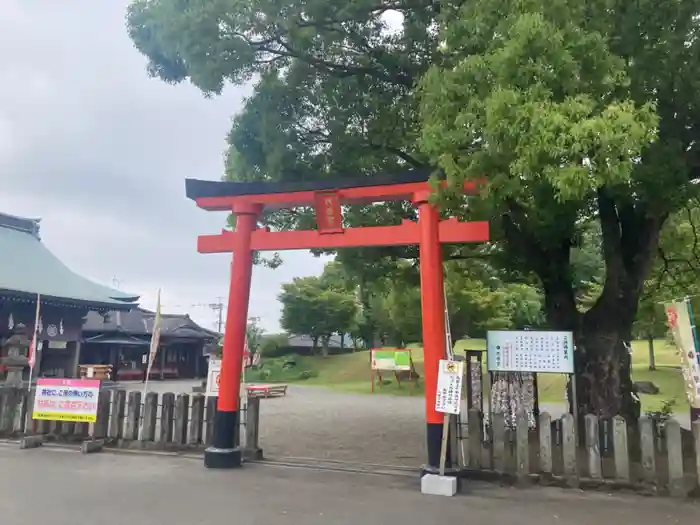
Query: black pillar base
[(449, 472), (223, 458), (224, 451), (434, 436)]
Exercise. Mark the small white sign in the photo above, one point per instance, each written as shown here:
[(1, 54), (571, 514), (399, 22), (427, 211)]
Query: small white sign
[(213, 377), (530, 351), (448, 398)]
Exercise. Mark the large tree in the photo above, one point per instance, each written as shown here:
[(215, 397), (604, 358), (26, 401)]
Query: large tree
[(310, 307), (578, 113)]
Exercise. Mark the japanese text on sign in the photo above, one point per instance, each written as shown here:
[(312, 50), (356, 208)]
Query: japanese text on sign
[(530, 351), (448, 398), (329, 215), (66, 400)]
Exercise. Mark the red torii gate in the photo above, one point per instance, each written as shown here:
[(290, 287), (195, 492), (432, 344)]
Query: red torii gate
[(246, 200)]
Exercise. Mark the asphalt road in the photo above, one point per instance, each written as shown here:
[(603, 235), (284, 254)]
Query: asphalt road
[(64, 488)]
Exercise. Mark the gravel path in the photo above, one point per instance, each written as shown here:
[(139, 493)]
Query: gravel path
[(312, 422)]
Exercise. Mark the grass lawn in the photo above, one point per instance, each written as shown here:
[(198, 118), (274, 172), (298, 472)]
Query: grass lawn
[(351, 373), (667, 377)]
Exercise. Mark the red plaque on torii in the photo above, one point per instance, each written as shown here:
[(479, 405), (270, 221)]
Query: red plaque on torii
[(246, 200)]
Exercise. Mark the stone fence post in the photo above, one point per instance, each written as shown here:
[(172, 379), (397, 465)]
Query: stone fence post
[(252, 448)]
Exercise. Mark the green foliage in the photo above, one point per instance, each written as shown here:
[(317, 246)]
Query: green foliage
[(397, 315), (307, 374), (282, 369), (675, 273), (556, 103), (477, 302), (274, 345), (583, 115), (310, 307), (255, 334), (664, 413), (539, 103)]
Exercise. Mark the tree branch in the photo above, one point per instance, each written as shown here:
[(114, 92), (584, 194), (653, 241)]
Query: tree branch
[(399, 153), (610, 229)]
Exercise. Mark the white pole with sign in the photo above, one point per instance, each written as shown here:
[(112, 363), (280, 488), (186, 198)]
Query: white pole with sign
[(213, 377), (448, 399)]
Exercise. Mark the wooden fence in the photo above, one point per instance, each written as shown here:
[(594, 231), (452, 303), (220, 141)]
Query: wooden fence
[(647, 457), (168, 422)]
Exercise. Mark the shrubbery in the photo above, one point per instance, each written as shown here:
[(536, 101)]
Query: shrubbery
[(281, 369)]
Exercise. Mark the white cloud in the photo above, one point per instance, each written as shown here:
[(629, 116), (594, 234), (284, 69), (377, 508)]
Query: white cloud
[(100, 152)]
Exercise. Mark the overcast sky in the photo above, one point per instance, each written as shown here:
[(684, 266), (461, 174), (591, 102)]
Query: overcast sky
[(99, 151)]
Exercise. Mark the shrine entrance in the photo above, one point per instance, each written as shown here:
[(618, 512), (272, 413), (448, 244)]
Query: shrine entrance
[(247, 200)]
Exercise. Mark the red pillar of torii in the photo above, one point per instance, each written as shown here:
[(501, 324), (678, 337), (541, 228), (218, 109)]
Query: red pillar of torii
[(247, 200)]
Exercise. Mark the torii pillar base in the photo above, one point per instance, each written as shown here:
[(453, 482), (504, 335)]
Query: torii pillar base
[(227, 458)]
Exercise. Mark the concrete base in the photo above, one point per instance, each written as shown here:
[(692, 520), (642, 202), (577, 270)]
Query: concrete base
[(437, 485), (90, 447), (223, 458), (31, 442)]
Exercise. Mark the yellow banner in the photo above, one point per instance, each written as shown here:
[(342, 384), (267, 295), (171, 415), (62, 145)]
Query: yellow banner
[(59, 416), (681, 327), (155, 338)]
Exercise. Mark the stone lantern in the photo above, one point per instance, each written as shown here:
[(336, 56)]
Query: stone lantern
[(17, 351)]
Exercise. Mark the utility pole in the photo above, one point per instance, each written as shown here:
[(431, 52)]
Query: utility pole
[(219, 307)]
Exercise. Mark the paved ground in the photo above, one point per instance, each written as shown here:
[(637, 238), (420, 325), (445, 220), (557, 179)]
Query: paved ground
[(63, 488)]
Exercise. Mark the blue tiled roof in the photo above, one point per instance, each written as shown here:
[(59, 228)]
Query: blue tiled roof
[(27, 267)]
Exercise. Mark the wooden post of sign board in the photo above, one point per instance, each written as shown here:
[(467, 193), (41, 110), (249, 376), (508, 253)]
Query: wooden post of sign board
[(443, 446), (410, 373)]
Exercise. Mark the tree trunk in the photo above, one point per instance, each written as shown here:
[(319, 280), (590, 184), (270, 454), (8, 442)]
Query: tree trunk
[(630, 235), (367, 326), (342, 341), (314, 348), (603, 371), (652, 358), (324, 347)]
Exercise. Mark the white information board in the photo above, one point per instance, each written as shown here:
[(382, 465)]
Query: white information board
[(213, 377), (530, 351), (448, 398), (66, 400)]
